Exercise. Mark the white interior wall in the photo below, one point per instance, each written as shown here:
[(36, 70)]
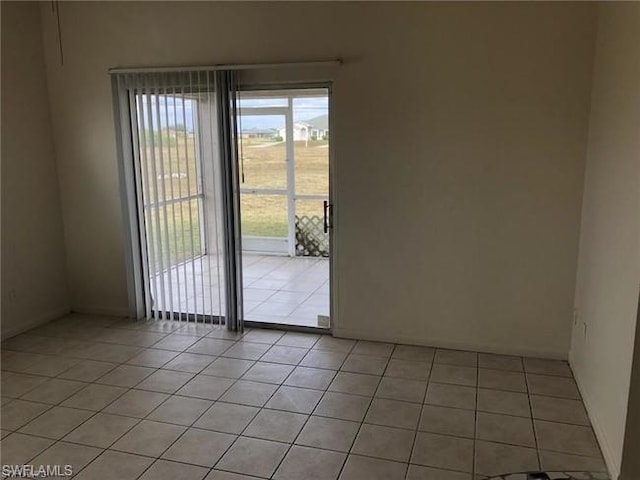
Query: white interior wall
[(459, 134), (630, 469), (608, 276), (34, 283)]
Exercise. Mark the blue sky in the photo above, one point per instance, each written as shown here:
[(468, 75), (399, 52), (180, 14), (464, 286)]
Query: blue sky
[(303, 109)]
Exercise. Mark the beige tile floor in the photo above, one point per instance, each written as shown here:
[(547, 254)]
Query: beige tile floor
[(276, 289), (163, 400), (287, 290)]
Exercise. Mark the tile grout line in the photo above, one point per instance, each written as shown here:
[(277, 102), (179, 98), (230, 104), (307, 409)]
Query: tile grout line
[(138, 419), (170, 395), (533, 423), (212, 330), (316, 406), (176, 393), (364, 418), (348, 452), (200, 416), (238, 436), (293, 442), (424, 399), (259, 438), (108, 448), (102, 410)]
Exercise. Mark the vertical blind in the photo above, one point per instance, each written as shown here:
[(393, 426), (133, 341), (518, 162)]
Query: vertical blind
[(178, 164)]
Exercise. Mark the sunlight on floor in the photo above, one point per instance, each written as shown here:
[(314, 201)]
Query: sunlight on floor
[(277, 289)]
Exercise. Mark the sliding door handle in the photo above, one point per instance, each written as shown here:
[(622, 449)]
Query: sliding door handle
[(328, 216)]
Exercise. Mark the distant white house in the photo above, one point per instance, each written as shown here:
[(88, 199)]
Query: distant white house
[(259, 133), (315, 128)]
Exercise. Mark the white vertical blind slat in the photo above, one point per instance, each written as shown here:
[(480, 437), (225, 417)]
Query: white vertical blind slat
[(175, 292), (173, 119), (162, 179), (161, 300), (200, 157), (182, 295), (148, 200), (193, 268), (216, 219), (137, 170)]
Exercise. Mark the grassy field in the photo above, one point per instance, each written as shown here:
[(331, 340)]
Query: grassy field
[(175, 170), (263, 166), (180, 237)]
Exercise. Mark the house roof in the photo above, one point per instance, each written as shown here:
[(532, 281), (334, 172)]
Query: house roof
[(321, 122), (258, 131)]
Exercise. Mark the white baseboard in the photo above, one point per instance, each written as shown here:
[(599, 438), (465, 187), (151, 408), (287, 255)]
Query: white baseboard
[(434, 342), (601, 435), (33, 323)]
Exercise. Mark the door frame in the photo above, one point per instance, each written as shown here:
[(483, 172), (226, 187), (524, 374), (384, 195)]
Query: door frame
[(135, 254), (332, 196)]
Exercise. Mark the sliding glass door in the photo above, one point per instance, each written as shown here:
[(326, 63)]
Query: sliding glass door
[(211, 183), (283, 137), (179, 168)]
